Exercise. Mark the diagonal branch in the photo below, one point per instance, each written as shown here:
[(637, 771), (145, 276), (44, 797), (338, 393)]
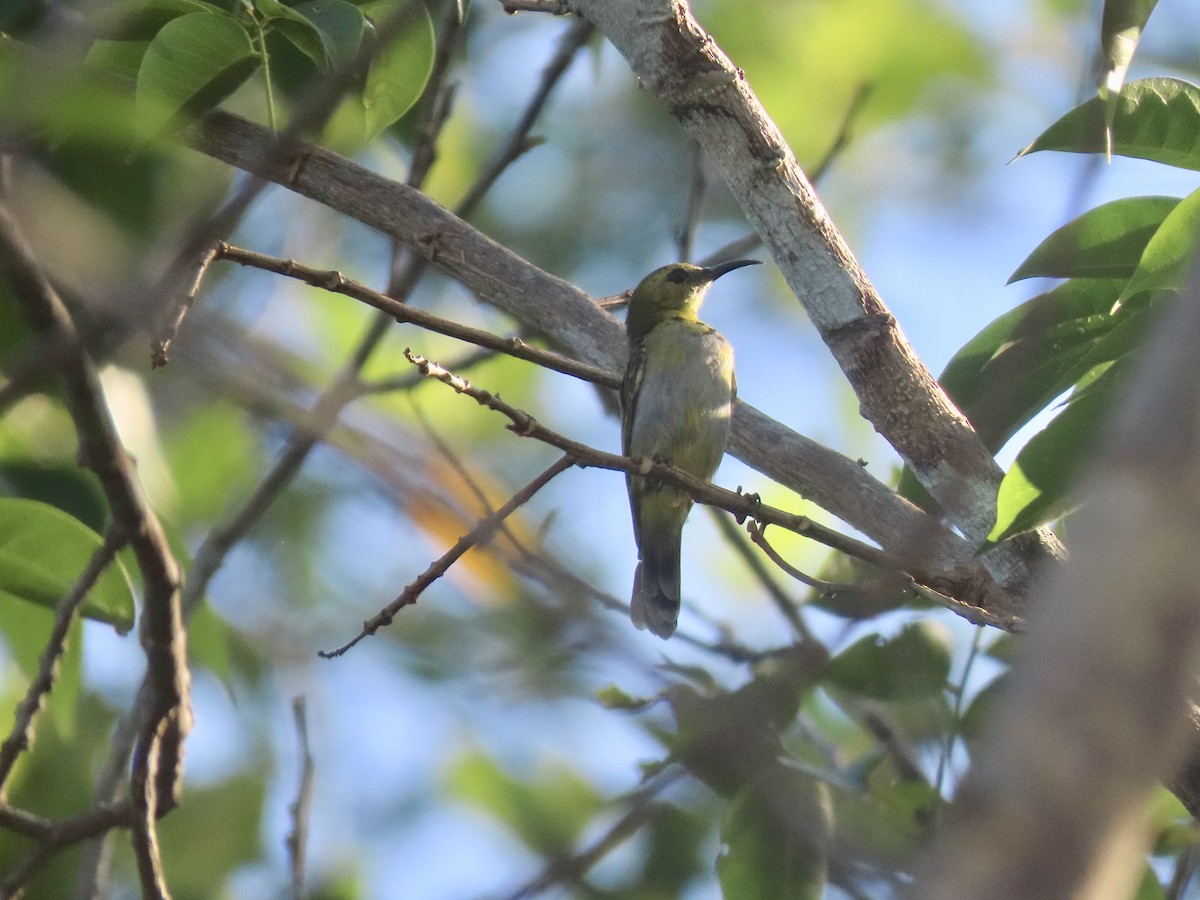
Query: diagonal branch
[(675, 59), (164, 712), (571, 320), (743, 506), (21, 735), (480, 534)]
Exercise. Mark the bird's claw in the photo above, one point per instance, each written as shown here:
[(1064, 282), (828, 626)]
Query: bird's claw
[(755, 503)]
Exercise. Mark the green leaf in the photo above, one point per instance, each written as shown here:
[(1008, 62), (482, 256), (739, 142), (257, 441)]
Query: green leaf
[(1105, 242), (398, 76), (1120, 30), (75, 491), (339, 25), (914, 663), (42, 552), (1019, 363), (1168, 256), (193, 63), (775, 838), (120, 58), (1037, 488), (1155, 118)]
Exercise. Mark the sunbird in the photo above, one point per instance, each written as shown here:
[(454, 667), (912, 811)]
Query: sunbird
[(676, 403)]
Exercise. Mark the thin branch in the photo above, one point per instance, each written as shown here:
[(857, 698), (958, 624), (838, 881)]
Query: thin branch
[(164, 691), (574, 37), (336, 282), (301, 809), (281, 149), (161, 347), (142, 829), (21, 736), (889, 582), (480, 534), (743, 506), (736, 538), (695, 204), (52, 837), (640, 811), (841, 138)]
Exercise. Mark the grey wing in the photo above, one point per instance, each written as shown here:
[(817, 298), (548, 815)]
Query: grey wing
[(635, 369)]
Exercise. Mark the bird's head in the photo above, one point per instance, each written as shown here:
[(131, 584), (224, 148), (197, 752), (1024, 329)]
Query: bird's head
[(671, 291)]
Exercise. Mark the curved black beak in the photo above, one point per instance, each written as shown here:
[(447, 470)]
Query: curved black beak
[(712, 273)]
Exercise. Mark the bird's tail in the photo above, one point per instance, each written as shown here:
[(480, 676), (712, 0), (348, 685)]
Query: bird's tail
[(655, 603)]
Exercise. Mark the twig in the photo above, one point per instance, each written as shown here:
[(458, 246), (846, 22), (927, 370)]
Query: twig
[(54, 836), (337, 283), (735, 537), (481, 533), (164, 712), (641, 811), (143, 833), (742, 506), (691, 215), (301, 809), (161, 347), (841, 138), (574, 37), (825, 588), (21, 736)]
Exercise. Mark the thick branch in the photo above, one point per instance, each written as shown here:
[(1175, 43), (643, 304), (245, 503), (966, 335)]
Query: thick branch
[(682, 65), (570, 319)]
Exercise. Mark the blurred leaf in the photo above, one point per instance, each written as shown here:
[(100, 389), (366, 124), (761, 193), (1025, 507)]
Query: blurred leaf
[(1155, 119), (339, 27), (914, 663), (213, 457), (120, 58), (1167, 259), (1037, 488), (398, 75), (208, 642), (1149, 887), (42, 553), (214, 832), (141, 20), (193, 63), (903, 49), (612, 697), (983, 706), (775, 838), (548, 812), (1105, 242)]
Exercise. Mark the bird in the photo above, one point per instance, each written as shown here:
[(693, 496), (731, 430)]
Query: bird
[(676, 404)]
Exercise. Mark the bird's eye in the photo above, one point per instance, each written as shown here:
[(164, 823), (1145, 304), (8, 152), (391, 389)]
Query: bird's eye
[(677, 275)]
